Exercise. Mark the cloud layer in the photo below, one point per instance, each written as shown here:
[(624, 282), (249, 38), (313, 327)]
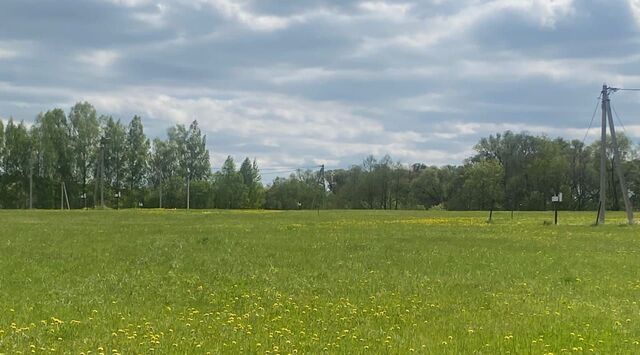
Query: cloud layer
[(297, 83)]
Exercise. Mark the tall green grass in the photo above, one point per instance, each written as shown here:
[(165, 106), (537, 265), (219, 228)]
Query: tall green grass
[(298, 282)]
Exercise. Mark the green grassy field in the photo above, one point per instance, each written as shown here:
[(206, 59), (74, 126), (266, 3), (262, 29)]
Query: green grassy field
[(298, 282)]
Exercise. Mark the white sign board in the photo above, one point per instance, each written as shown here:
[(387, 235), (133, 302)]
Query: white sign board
[(555, 199)]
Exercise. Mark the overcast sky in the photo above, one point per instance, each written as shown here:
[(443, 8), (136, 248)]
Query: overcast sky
[(297, 83)]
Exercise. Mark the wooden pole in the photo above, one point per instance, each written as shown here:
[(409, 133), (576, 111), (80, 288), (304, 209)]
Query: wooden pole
[(617, 162)]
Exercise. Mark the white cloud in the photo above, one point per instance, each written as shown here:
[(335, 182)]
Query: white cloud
[(238, 11), (511, 67), (287, 74), (244, 114), (100, 59), (634, 5), (131, 3), (240, 67), (36, 92), (283, 129), (281, 75), (156, 18), (6, 53), (386, 10), (483, 129), (432, 102), (13, 49), (430, 31)]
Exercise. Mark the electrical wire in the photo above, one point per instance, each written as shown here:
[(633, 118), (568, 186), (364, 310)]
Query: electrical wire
[(281, 169), (592, 118), (618, 117), (277, 172)]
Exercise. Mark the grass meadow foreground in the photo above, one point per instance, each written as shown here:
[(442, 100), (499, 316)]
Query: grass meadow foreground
[(298, 282)]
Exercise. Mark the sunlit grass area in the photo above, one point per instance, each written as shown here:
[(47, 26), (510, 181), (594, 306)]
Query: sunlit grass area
[(302, 282)]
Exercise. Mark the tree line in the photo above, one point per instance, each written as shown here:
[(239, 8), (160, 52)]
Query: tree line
[(81, 159), (509, 171)]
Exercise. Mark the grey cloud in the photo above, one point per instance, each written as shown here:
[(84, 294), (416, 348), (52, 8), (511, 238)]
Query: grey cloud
[(296, 82)]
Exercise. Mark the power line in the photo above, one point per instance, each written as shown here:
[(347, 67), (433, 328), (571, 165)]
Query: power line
[(284, 167), (281, 168), (592, 118), (618, 117), (278, 172), (611, 90)]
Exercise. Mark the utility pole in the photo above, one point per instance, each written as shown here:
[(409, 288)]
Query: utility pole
[(603, 156), (66, 195), (116, 150), (31, 181), (102, 176), (103, 144), (324, 186), (160, 187), (96, 183), (320, 179), (617, 161), (188, 189)]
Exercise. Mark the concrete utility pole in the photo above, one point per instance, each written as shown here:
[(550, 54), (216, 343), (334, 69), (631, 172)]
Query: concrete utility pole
[(617, 161), (320, 180), (102, 176), (324, 184), (160, 188), (603, 156), (31, 181), (188, 191), (103, 143)]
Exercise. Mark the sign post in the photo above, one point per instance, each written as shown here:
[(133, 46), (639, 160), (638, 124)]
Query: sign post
[(556, 199)]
